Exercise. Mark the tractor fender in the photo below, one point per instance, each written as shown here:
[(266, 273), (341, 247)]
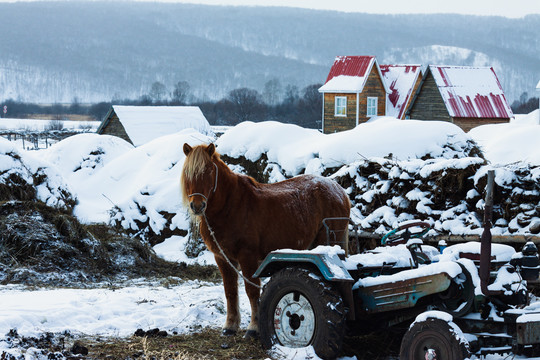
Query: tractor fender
[(329, 265)]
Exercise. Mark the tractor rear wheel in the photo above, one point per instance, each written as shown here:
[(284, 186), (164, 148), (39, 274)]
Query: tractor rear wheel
[(299, 309), (432, 339), (458, 299)]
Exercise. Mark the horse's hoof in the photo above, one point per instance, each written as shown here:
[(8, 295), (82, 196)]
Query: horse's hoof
[(228, 332), (251, 335)]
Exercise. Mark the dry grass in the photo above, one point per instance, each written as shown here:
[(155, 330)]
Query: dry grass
[(207, 344), (210, 345)]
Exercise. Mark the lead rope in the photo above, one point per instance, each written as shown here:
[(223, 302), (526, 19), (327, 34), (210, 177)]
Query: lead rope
[(213, 235)]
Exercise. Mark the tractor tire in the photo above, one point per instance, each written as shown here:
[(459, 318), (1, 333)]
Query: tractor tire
[(432, 339), (458, 300), (298, 309)]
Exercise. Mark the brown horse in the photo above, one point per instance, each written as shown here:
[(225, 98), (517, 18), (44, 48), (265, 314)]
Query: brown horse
[(250, 219)]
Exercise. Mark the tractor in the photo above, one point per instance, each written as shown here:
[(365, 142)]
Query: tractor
[(457, 301)]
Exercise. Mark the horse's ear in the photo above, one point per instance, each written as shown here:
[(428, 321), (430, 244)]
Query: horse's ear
[(211, 149), (187, 148)]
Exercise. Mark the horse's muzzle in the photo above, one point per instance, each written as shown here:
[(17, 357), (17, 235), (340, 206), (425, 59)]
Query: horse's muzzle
[(198, 209)]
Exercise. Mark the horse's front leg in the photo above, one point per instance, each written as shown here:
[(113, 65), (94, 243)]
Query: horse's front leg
[(253, 292), (230, 284)]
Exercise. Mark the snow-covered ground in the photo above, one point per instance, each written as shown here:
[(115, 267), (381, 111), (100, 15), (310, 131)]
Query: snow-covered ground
[(106, 173), (35, 134), (21, 125), (509, 143)]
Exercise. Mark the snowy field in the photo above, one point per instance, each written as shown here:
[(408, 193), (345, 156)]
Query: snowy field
[(35, 134), (105, 172)]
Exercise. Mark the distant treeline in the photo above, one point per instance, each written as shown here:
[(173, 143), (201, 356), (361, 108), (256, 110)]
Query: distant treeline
[(289, 105), (525, 104)]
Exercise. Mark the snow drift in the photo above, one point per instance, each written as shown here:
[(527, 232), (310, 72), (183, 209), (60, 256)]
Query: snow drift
[(393, 170)]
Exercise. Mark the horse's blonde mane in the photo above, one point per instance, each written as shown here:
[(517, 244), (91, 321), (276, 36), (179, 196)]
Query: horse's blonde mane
[(194, 166)]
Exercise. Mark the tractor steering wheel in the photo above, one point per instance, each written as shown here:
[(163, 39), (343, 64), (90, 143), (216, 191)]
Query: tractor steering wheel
[(402, 233)]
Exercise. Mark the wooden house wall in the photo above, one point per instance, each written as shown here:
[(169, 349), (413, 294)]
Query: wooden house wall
[(333, 123), (114, 127), (373, 88), (467, 124), (429, 104)]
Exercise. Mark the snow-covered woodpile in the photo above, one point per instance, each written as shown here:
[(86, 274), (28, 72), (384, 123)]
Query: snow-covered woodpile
[(394, 170), (446, 192)]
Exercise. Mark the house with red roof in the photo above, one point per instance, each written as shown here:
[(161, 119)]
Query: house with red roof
[(464, 95), (403, 81), (354, 92)]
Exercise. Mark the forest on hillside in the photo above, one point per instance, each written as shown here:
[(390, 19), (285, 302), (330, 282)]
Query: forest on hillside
[(93, 51)]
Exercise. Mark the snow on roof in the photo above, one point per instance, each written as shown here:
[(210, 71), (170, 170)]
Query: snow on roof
[(146, 123), (400, 79), (349, 74), (473, 92)]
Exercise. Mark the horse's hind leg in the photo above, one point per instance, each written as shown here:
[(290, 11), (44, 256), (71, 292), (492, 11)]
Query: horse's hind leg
[(230, 284)]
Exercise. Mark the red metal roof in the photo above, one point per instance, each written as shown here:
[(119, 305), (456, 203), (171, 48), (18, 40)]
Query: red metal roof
[(401, 80), (350, 66), (350, 73), (472, 92)]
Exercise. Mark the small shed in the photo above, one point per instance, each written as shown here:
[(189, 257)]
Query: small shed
[(403, 81), (464, 95), (141, 124), (354, 92)]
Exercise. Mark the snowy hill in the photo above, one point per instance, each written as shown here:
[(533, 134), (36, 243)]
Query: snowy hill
[(93, 50)]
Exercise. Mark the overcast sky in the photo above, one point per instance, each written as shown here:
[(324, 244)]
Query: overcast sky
[(508, 8)]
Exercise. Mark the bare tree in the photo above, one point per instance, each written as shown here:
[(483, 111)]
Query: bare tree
[(310, 106), (181, 92), (272, 92), (158, 91), (246, 103), (291, 94)]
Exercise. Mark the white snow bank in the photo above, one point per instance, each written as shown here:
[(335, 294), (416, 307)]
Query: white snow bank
[(297, 149), (109, 173), (516, 141), (50, 186), (531, 118), (82, 155), (173, 249)]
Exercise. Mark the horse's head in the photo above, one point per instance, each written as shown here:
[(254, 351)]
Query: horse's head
[(199, 177)]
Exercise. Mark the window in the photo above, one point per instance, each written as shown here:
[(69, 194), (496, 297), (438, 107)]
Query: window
[(341, 106), (371, 106)]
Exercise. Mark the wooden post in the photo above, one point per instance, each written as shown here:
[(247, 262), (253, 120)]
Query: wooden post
[(485, 241)]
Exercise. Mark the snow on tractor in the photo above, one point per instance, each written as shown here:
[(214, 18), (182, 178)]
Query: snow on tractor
[(463, 300)]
